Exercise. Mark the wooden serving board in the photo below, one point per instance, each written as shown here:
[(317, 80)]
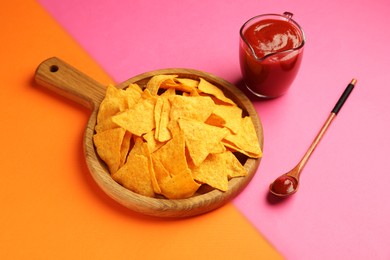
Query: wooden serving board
[(67, 81)]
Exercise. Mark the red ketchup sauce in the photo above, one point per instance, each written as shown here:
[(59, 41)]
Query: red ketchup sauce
[(271, 75), (284, 185)]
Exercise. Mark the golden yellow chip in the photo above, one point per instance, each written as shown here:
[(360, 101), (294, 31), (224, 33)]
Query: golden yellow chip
[(139, 119), (211, 172), (116, 100), (219, 148), (158, 107), (185, 85), (188, 83), (178, 186), (136, 174), (112, 103), (172, 154), (217, 169), (161, 116), (132, 94), (153, 144), (208, 88), (226, 116), (164, 133), (108, 146), (197, 107), (105, 124), (245, 141), (141, 148), (134, 87), (125, 148), (201, 139), (171, 169), (169, 92), (157, 81), (233, 166)]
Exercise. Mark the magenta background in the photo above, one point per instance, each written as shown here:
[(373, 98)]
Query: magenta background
[(342, 209)]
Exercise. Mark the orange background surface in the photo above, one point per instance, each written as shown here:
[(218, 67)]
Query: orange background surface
[(51, 207)]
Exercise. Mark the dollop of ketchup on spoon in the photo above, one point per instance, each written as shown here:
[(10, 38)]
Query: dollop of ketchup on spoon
[(284, 185)]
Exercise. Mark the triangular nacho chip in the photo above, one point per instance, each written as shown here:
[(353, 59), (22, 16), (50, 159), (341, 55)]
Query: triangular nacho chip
[(125, 148), (174, 186), (161, 116), (105, 124), (172, 154), (153, 144), (245, 141), (217, 169), (198, 108), (158, 81), (136, 174), (108, 146), (208, 88), (226, 116), (139, 119), (117, 100), (188, 83), (201, 139)]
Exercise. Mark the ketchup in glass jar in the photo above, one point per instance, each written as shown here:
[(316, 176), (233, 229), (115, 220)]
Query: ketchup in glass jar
[(271, 49)]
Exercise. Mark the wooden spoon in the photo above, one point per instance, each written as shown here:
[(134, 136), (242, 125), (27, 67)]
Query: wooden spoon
[(287, 184), (67, 81)]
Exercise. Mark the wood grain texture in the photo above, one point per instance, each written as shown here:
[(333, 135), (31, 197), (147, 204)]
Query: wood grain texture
[(67, 81)]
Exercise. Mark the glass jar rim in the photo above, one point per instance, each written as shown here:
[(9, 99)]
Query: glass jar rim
[(287, 16)]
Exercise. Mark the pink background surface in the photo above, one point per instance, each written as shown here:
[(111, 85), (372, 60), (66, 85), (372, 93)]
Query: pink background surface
[(342, 209)]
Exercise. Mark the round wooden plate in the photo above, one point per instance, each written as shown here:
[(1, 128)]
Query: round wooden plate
[(67, 81)]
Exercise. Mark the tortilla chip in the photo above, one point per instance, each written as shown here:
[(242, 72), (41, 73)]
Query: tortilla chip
[(134, 87), (157, 81), (157, 115), (108, 146), (136, 174), (184, 85), (161, 116), (201, 139), (189, 83), (115, 101), (171, 168), (125, 148), (168, 92), (153, 144), (245, 141), (172, 154), (217, 169), (133, 94), (211, 172), (208, 88), (174, 186), (105, 124), (198, 108), (226, 116), (139, 119), (233, 166), (112, 103)]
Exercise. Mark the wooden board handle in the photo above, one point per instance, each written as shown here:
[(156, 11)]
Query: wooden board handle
[(67, 81)]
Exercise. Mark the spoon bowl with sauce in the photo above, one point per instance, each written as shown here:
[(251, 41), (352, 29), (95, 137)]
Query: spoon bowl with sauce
[(287, 184)]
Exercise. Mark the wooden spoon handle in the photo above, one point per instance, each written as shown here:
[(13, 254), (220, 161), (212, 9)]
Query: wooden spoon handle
[(67, 81), (325, 127), (313, 145)]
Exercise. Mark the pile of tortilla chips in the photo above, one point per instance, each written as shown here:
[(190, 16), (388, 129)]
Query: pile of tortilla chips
[(173, 136)]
